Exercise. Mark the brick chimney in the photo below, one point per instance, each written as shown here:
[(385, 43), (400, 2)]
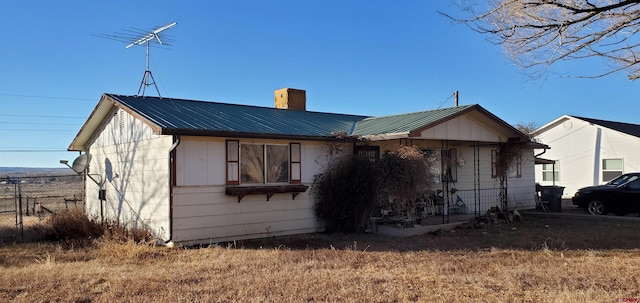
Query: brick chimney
[(290, 98)]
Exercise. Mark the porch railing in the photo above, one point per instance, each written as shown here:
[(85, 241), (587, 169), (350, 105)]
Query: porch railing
[(477, 201)]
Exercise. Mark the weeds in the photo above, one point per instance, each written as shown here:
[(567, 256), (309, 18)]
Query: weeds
[(448, 267), (72, 228)]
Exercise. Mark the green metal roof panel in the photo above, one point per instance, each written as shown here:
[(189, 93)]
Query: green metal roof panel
[(404, 123), (182, 115)]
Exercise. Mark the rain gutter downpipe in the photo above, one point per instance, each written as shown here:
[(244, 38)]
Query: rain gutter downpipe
[(172, 179)]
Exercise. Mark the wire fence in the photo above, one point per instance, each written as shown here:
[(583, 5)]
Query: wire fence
[(27, 200), (479, 201)]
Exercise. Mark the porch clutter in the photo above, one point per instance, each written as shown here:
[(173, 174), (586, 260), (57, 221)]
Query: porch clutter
[(459, 207)]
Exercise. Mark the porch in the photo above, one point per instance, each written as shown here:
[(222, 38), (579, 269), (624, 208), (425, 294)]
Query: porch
[(441, 211)]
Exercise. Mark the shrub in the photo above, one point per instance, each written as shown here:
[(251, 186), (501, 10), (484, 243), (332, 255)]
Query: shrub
[(121, 233), (345, 194), (73, 228), (70, 225), (405, 175), (352, 188)]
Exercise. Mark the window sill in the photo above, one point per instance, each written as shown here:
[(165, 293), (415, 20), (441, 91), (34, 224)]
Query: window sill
[(241, 191)]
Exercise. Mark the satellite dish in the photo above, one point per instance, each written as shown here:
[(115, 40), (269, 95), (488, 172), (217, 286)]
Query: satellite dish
[(80, 163)]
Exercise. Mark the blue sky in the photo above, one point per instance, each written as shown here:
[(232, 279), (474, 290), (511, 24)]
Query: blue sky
[(354, 57)]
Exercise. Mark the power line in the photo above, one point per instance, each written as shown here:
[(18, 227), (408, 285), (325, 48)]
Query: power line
[(41, 116), (31, 150), (45, 97), (40, 123), (445, 101), (39, 130)]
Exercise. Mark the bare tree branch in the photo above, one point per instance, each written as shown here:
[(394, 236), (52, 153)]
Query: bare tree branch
[(538, 33)]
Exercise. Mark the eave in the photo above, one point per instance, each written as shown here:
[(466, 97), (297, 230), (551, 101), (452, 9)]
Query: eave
[(233, 134), (518, 136), (103, 110)]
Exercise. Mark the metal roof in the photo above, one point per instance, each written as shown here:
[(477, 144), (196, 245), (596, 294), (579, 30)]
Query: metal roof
[(170, 116), (179, 116), (405, 123)]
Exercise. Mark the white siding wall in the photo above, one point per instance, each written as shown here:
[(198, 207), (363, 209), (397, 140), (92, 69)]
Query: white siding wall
[(203, 213), (520, 190), (579, 148), (135, 166), (461, 129)]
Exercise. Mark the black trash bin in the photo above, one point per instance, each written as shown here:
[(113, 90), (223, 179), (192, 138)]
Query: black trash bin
[(553, 194)]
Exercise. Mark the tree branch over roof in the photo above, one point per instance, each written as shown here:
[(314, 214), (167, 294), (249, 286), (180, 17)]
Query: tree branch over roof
[(538, 33)]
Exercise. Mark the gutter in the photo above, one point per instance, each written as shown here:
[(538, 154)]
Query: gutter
[(389, 136), (540, 154), (172, 178)]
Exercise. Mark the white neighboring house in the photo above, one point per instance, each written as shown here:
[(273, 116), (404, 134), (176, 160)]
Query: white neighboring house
[(206, 172), (587, 151)]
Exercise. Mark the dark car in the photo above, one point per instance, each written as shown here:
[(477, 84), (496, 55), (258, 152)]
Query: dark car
[(619, 196)]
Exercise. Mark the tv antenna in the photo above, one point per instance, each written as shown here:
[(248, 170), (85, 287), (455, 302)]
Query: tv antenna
[(140, 37)]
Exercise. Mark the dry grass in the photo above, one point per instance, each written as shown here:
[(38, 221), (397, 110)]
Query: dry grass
[(38, 189), (541, 260)]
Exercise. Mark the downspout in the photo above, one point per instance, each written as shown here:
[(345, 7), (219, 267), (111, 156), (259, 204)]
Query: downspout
[(172, 179), (540, 154)]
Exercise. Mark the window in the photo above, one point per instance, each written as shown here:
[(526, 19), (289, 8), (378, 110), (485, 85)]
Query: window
[(249, 163), (515, 167), (370, 152), (434, 156), (445, 164), (515, 170), (550, 172), (232, 162), (611, 168), (635, 184), (449, 165), (494, 163), (252, 163), (296, 165)]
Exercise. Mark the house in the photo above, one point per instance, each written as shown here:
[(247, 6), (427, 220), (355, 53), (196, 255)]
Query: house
[(586, 151), (200, 172)]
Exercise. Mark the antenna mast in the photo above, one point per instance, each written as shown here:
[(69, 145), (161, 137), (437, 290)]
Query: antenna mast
[(147, 78), (140, 37)]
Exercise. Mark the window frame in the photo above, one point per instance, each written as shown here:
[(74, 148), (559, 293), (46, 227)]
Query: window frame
[(233, 156), (370, 152), (261, 149), (555, 172), (295, 163), (435, 155), (494, 163), (234, 163), (449, 165), (604, 170), (513, 171)]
